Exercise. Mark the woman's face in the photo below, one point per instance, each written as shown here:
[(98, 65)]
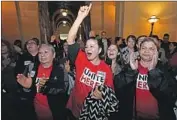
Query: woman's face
[(171, 47), (92, 49), (45, 54), (147, 50), (112, 52), (4, 48), (31, 46), (65, 47), (131, 43)]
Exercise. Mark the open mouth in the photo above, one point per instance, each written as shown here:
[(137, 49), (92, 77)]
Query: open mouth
[(89, 54), (111, 54), (147, 56)]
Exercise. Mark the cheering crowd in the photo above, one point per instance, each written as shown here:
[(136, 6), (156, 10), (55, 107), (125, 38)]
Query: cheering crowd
[(121, 79)]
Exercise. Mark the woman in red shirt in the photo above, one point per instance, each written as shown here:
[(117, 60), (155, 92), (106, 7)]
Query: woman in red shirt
[(91, 71)]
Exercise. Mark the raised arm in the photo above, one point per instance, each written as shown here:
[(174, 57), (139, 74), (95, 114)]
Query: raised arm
[(83, 12)]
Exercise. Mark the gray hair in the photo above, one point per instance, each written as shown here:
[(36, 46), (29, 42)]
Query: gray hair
[(48, 45)]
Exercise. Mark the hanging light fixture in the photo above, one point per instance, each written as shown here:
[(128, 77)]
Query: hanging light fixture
[(153, 19)]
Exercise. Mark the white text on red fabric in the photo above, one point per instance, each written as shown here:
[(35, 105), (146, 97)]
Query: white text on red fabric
[(92, 79), (142, 82)]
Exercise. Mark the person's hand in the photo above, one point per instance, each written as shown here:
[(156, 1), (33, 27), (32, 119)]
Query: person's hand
[(97, 94), (42, 81), (92, 34), (26, 82), (154, 61), (84, 10), (53, 37), (133, 61), (67, 66)]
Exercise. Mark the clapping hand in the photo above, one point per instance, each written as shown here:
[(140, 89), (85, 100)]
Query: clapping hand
[(53, 37), (26, 82), (97, 94), (154, 61), (42, 81)]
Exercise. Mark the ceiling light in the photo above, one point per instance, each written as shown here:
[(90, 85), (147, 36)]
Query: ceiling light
[(64, 22), (64, 13), (153, 19)]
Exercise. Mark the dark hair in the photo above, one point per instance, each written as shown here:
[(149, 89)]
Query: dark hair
[(117, 39), (131, 36), (134, 39), (166, 34), (149, 39), (36, 40), (18, 43)]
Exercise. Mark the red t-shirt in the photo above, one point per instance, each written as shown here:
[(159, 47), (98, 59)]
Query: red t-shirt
[(87, 77), (41, 103), (146, 104)]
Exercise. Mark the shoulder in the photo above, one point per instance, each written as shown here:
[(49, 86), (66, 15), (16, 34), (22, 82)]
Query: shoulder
[(161, 66), (26, 55), (81, 54), (73, 46), (57, 67)]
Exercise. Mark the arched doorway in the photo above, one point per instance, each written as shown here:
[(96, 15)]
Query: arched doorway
[(52, 20)]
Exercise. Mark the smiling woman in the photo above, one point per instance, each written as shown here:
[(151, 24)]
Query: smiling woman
[(91, 71), (149, 84), (113, 59), (46, 55), (45, 83)]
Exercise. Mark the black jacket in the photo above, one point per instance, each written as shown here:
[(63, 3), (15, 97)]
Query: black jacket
[(162, 86), (23, 61), (54, 89), (9, 97)]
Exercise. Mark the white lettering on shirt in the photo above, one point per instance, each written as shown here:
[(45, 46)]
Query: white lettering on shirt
[(142, 82), (92, 79)]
